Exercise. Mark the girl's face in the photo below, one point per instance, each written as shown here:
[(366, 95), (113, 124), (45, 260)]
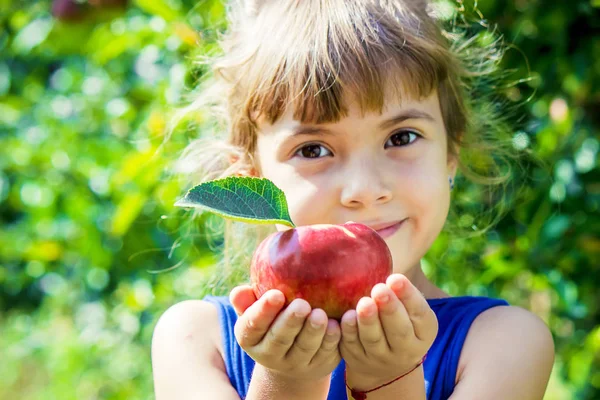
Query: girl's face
[(371, 169)]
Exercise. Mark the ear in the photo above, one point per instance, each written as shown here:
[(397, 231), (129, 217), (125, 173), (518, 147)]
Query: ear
[(452, 163), (247, 172)]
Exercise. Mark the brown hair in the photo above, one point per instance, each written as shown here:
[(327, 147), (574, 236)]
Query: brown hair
[(310, 54)]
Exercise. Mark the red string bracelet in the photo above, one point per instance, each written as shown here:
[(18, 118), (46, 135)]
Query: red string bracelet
[(358, 395)]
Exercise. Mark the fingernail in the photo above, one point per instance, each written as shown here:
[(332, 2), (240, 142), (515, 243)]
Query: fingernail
[(384, 299), (370, 311), (397, 286), (298, 310), (315, 324), (274, 300)]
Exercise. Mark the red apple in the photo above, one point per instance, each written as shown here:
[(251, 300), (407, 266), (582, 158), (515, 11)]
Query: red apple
[(330, 266)]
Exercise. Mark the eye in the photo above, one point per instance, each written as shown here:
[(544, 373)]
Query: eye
[(403, 138), (313, 150)]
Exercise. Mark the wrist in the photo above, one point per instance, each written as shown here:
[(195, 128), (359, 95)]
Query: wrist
[(291, 384), (361, 381), (364, 382), (361, 384)]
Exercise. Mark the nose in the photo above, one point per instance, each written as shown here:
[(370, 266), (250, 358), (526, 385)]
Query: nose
[(365, 185)]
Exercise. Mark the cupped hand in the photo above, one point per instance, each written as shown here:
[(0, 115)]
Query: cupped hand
[(388, 334), (294, 342)]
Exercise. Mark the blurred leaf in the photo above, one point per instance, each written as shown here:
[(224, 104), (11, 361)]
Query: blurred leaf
[(127, 211), (32, 35), (104, 46), (187, 34), (158, 7), (4, 79), (47, 250), (9, 114)]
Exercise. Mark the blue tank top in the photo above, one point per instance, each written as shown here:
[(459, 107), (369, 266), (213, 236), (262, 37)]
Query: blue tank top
[(455, 315)]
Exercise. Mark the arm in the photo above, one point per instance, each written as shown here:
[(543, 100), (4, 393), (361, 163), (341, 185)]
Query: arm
[(263, 335), (267, 385), (385, 338), (186, 362), (508, 354), (295, 347)]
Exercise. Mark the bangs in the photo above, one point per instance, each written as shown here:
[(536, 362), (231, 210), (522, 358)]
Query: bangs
[(318, 55)]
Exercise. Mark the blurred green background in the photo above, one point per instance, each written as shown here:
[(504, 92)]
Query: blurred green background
[(92, 250)]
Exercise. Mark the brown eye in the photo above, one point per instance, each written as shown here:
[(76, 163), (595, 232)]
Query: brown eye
[(403, 138), (313, 151)]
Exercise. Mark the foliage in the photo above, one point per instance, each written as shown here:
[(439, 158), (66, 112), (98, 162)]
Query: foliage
[(87, 215), (251, 200)]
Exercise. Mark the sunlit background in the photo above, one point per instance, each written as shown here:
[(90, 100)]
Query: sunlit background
[(92, 250)]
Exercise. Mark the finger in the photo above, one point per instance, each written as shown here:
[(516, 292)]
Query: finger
[(423, 318), (397, 326), (370, 330), (282, 334), (309, 339), (328, 351), (242, 297), (350, 344), (254, 323)]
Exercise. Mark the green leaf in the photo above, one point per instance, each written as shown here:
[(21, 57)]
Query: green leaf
[(247, 199), (162, 8)]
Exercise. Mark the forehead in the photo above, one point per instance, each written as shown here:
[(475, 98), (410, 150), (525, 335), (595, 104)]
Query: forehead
[(393, 106)]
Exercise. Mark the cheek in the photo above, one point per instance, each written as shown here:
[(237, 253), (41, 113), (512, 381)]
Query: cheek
[(309, 204), (425, 181), (431, 198), (308, 200)]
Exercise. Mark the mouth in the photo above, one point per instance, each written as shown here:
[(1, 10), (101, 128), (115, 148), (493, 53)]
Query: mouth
[(390, 229)]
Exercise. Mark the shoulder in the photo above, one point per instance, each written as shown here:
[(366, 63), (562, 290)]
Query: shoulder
[(183, 317), (190, 323), (508, 354), (186, 345)]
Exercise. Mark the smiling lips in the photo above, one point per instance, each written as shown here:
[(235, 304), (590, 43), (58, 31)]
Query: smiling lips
[(384, 229), (387, 229)]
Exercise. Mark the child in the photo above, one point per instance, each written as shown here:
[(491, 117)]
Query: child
[(358, 110)]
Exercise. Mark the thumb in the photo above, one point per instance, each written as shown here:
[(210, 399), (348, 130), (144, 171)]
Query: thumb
[(242, 297)]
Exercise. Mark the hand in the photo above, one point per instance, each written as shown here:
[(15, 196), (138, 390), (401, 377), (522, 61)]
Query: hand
[(297, 343), (388, 334)]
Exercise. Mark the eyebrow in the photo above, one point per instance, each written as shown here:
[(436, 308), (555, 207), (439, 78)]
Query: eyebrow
[(310, 130), (411, 113)]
